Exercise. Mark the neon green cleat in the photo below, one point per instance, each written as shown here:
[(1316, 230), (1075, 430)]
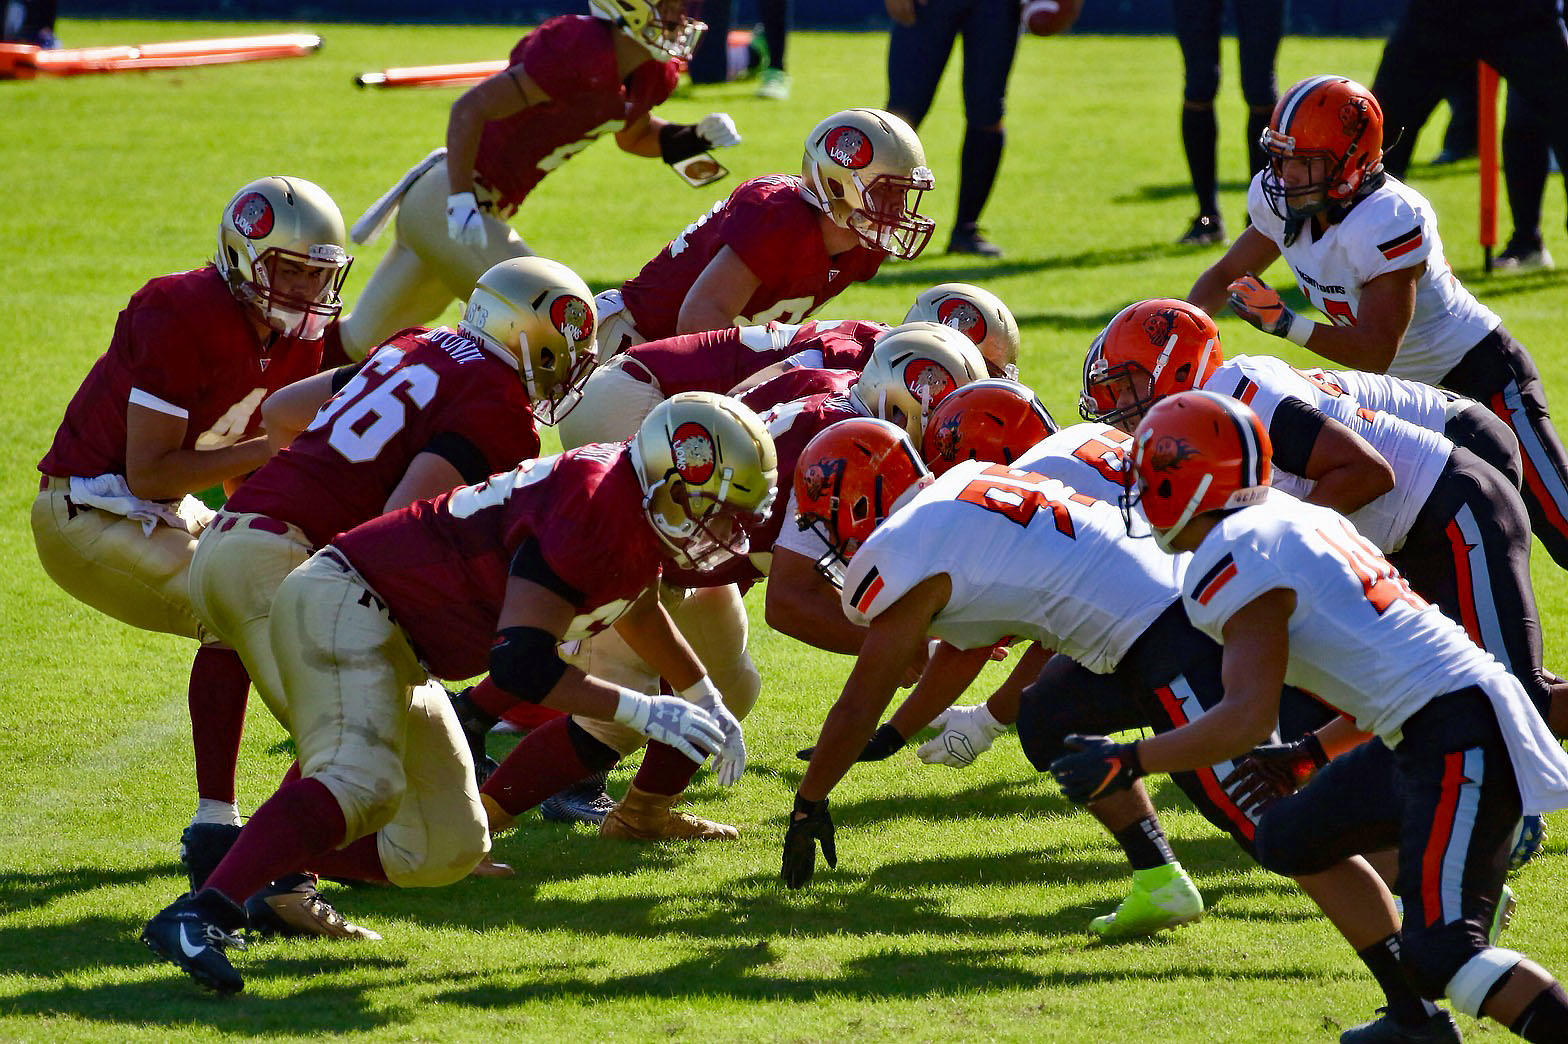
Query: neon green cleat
[(775, 85), (1161, 897), (1502, 916)]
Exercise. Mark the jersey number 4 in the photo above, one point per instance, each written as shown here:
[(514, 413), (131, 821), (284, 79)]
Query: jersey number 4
[(1018, 496)]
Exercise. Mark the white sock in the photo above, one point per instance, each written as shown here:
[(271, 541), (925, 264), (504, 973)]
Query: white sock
[(222, 813)]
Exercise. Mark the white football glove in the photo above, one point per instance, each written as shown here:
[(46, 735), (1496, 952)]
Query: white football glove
[(967, 732), (464, 223), (719, 130), (672, 721), (730, 761)]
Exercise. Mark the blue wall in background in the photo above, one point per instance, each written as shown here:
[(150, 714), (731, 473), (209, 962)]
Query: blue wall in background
[(1322, 17)]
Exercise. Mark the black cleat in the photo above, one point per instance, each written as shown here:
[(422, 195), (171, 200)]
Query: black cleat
[(193, 931), (1204, 230), (969, 240), (476, 724), (291, 908), (1439, 1028), (202, 848), (585, 801)]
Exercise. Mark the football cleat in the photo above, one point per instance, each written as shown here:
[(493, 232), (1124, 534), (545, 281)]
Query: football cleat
[(641, 816), (202, 848), (193, 931), (1204, 230), (585, 801), (291, 908), (968, 239), (1527, 842), (1503, 916), (775, 85), (1161, 897), (1439, 1028), (1523, 256)]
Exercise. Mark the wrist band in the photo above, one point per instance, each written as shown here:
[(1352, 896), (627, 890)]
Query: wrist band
[(1299, 330)]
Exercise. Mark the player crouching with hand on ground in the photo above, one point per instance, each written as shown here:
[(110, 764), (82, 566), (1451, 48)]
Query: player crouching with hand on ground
[(1296, 595), (491, 576)]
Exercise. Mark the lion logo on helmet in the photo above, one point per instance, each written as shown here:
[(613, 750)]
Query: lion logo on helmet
[(963, 316), (572, 317), (928, 381), (252, 215), (822, 477), (692, 449), (1160, 325), (848, 147), (1169, 452)]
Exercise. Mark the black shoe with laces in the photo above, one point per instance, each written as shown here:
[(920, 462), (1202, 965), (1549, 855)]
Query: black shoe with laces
[(967, 239), (1205, 229), (192, 932), (1439, 1028), (583, 802), (202, 848)]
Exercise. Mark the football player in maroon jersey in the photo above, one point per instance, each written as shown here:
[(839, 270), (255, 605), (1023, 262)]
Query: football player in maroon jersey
[(781, 245), (490, 576), (571, 80), (173, 407), (429, 410)]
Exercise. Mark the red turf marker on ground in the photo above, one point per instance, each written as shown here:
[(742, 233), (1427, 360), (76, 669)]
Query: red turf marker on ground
[(25, 61)]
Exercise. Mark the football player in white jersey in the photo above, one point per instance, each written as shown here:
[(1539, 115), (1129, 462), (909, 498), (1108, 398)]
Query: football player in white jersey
[(1454, 525), (1365, 250), (1296, 595)]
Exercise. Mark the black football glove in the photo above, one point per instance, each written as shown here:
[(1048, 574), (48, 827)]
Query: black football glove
[(1273, 771), (809, 823), (1096, 768), (884, 743)]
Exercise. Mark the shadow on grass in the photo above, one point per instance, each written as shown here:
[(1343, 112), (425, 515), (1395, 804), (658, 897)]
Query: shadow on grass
[(1173, 190), (19, 890)]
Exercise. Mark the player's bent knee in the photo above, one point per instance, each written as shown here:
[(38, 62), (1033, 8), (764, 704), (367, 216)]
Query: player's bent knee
[(368, 800), (1041, 733), (444, 855), (1280, 848)]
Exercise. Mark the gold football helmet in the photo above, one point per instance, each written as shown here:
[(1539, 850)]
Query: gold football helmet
[(281, 249), (542, 315), (912, 368), (709, 472), (662, 26), (977, 314), (866, 169)]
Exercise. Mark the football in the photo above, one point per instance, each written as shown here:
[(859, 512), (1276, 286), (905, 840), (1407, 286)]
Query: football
[(1049, 17)]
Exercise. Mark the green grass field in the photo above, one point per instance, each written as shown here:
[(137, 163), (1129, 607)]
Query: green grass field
[(960, 906)]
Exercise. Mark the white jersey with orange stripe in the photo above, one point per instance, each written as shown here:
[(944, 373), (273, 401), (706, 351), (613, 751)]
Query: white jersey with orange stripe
[(1027, 556), (1090, 457), (1417, 455), (1391, 228), (1360, 638), (1410, 401)]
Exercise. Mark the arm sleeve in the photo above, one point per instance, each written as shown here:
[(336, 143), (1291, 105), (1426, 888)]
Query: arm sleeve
[(342, 375), (1294, 430), (529, 564), (463, 455)]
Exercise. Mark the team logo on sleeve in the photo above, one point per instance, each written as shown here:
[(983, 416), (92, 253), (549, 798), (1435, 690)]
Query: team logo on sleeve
[(1160, 325), (693, 452), (253, 216), (962, 316), (848, 147), (1169, 452), (571, 316), (822, 478), (927, 381)]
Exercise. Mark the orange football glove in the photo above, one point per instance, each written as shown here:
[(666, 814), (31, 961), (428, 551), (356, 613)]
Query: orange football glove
[(1259, 304)]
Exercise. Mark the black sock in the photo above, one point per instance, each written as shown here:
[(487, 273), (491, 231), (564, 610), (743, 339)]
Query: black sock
[(775, 29), (1199, 132), (1546, 1017), (1257, 159), (1145, 844), (1404, 1003), (978, 163)]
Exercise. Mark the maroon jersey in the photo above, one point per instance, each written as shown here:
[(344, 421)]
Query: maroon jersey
[(572, 58), (436, 390), (441, 565), (792, 424), (799, 383), (776, 233), (717, 360), (183, 346)]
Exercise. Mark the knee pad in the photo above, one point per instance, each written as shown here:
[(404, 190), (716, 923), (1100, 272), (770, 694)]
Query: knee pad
[(741, 686), (1469, 987), (444, 854)]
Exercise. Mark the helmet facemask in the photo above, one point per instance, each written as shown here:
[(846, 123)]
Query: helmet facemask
[(552, 392), (664, 27), (701, 528), (306, 315), (889, 217)]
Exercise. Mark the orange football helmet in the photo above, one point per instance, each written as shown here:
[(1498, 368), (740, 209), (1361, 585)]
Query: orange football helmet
[(994, 420), (1196, 452), (846, 482), (1327, 118), (1150, 350)]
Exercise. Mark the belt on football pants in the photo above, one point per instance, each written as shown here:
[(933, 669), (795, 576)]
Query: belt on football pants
[(225, 522)]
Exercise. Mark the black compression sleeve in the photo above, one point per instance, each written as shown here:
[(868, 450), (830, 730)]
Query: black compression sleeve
[(1294, 430), (678, 141), (342, 375), (529, 564), (463, 455)]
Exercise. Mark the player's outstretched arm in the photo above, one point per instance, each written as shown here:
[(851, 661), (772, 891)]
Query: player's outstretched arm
[(804, 606), (506, 93), (968, 732), (1251, 252)]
